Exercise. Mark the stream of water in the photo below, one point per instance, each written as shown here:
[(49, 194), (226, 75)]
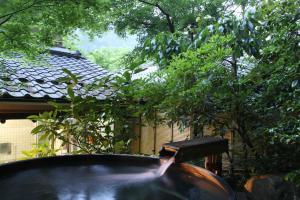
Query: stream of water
[(165, 165), (140, 176)]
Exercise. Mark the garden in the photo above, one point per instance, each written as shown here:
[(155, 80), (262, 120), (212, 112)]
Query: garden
[(231, 65)]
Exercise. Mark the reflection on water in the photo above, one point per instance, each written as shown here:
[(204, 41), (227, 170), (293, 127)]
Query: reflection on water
[(103, 182)]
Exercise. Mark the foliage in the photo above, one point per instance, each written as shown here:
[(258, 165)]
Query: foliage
[(147, 18), (230, 97), (294, 177), (35, 24), (276, 86), (41, 150), (109, 58), (233, 65), (240, 74), (90, 124), (188, 81), (279, 71), (170, 30)]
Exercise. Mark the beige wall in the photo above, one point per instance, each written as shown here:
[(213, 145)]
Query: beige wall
[(153, 137), (147, 140), (181, 135), (18, 134)]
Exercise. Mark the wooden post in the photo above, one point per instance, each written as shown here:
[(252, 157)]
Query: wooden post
[(155, 135), (140, 133), (68, 143), (172, 132), (213, 163)]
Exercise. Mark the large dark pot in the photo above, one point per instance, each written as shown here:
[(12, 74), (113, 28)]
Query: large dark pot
[(107, 177)]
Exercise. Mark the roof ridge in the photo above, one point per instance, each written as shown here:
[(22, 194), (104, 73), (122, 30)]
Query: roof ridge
[(65, 52)]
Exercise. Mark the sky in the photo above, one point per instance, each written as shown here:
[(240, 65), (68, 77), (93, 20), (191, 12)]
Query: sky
[(107, 40)]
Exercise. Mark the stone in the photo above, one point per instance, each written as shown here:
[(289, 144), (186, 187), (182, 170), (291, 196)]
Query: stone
[(269, 187)]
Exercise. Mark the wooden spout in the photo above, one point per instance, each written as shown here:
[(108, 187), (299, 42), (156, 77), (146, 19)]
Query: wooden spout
[(195, 148)]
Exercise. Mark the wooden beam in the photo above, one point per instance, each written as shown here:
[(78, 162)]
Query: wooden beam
[(20, 110)]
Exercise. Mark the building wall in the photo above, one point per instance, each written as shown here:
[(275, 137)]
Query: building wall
[(15, 137)]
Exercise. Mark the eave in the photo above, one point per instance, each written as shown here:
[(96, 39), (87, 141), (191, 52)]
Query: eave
[(21, 110)]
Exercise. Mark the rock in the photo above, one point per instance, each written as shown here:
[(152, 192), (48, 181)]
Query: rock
[(240, 196), (269, 187)]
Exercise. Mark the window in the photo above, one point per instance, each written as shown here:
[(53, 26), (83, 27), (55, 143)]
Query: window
[(5, 148)]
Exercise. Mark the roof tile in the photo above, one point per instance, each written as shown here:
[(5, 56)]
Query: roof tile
[(39, 79)]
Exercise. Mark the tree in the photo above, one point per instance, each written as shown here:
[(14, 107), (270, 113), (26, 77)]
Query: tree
[(147, 18), (165, 28), (243, 44), (275, 80), (241, 74), (109, 58)]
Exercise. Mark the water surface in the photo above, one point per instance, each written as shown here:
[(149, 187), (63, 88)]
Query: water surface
[(105, 182)]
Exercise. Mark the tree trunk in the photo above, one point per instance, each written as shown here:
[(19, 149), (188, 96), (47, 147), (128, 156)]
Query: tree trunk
[(238, 123)]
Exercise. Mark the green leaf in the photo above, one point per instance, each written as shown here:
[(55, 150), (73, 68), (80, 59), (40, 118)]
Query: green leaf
[(55, 104), (73, 76), (71, 92), (37, 129), (127, 75), (33, 117), (294, 83), (138, 70), (44, 136)]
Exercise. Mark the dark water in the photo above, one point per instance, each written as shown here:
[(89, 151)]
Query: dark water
[(103, 182)]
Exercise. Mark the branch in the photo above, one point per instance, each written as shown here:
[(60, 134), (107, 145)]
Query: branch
[(148, 3), (168, 17), (230, 62), (20, 10), (34, 4), (6, 20), (10, 15)]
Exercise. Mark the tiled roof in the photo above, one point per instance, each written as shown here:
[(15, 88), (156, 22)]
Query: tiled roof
[(38, 80), (148, 69)]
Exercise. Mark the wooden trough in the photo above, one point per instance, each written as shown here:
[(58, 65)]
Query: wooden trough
[(209, 147)]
